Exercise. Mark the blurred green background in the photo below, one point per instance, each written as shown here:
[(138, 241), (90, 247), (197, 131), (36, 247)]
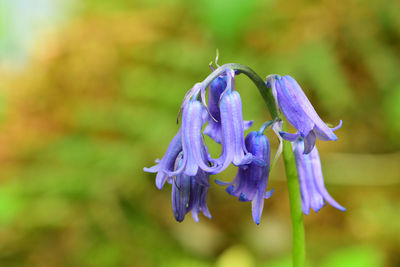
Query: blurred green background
[(89, 93)]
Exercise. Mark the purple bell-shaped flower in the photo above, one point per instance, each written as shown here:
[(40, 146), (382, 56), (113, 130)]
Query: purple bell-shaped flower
[(251, 181), (299, 112), (313, 191)]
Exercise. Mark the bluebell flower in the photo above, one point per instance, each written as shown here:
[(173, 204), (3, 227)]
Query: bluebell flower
[(213, 128), (232, 128), (180, 192), (299, 112), (251, 181), (189, 193), (198, 195), (192, 141), (167, 163), (187, 163), (313, 191)]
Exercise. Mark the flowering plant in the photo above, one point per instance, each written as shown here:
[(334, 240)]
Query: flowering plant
[(187, 164)]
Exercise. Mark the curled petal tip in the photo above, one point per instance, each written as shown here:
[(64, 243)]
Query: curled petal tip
[(269, 193), (339, 207), (336, 205), (337, 127), (151, 169)]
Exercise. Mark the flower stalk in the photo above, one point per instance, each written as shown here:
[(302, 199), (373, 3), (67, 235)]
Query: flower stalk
[(298, 235)]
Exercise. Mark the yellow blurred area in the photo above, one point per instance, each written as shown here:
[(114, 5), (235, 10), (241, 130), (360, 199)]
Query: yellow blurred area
[(89, 94)]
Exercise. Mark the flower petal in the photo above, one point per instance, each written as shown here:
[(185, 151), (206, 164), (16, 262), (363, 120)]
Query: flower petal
[(309, 142), (319, 181), (166, 164), (289, 137), (180, 194), (298, 149), (294, 105), (251, 180), (313, 192), (297, 109), (192, 139), (198, 196), (213, 128), (247, 124), (337, 127), (257, 206)]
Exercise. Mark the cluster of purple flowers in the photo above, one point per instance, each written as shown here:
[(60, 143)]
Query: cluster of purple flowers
[(187, 164)]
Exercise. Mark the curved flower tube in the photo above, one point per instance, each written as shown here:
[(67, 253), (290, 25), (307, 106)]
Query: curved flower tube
[(232, 128), (213, 128), (313, 191), (192, 141), (299, 112)]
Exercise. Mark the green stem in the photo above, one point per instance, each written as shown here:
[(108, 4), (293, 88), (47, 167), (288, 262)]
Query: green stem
[(288, 157), (298, 235)]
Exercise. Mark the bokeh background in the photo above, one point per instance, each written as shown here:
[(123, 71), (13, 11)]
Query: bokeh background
[(89, 94)]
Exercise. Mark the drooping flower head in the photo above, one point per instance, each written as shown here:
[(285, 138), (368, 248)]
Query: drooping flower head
[(193, 145), (213, 128), (251, 181), (216, 89), (192, 139), (187, 164), (299, 112), (232, 127), (313, 191)]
